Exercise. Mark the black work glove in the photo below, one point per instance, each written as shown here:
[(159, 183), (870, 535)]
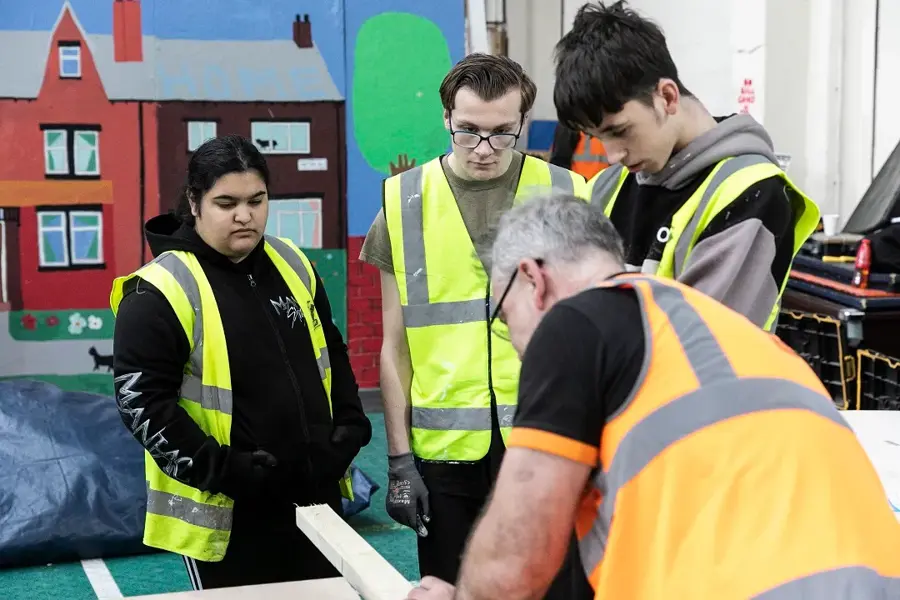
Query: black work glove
[(248, 475), (407, 498)]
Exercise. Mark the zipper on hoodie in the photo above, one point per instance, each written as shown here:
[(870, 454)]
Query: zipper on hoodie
[(290, 371)]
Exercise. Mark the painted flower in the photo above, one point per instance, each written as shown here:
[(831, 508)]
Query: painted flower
[(29, 321), (52, 321), (77, 323), (94, 322)]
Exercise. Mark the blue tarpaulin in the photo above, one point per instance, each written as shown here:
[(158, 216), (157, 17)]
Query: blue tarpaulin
[(71, 477), (72, 480)]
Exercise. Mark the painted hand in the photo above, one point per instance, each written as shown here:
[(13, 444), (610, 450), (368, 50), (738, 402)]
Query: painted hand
[(403, 164)]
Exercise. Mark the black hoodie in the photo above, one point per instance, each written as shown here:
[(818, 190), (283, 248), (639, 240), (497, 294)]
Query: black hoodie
[(280, 405)]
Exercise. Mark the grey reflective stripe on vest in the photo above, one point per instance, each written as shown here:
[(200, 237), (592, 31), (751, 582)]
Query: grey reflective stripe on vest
[(291, 258), (605, 184), (721, 396), (185, 509), (561, 180), (418, 312), (208, 396), (298, 266), (847, 583), (461, 419), (728, 168)]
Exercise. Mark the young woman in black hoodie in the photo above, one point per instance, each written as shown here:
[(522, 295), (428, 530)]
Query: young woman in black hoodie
[(285, 447)]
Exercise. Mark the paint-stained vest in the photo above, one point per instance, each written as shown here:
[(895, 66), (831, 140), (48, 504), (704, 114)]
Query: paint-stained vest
[(458, 363), (180, 518)]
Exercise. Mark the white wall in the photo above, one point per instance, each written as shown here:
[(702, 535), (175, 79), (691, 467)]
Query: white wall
[(824, 93)]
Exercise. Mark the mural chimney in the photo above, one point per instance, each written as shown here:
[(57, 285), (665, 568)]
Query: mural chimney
[(303, 32), (128, 38)]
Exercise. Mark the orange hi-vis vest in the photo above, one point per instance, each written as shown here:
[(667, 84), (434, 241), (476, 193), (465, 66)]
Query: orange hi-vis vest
[(589, 157), (729, 474)]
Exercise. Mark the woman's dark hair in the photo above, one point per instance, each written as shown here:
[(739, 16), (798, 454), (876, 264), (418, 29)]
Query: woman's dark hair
[(611, 56), (212, 160)]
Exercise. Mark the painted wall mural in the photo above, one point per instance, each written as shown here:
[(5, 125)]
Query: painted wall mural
[(103, 102)]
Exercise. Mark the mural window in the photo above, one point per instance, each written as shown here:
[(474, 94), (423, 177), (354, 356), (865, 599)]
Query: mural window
[(70, 238), (297, 220), (52, 239), (70, 60), (56, 152), (71, 152), (287, 137), (199, 132), (86, 153)]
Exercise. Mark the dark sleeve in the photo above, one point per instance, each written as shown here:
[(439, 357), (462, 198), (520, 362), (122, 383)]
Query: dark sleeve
[(744, 253), (346, 405), (565, 141), (580, 366), (150, 350)]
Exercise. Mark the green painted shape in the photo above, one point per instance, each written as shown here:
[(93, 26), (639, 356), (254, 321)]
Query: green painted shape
[(147, 574), (331, 266), (399, 62), (93, 383), (66, 580), (45, 328)]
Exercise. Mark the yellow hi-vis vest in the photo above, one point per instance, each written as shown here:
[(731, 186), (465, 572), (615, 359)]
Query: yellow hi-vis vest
[(180, 518), (727, 181), (445, 293)]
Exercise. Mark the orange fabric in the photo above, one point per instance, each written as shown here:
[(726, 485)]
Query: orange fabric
[(589, 157), (552, 443), (742, 504)]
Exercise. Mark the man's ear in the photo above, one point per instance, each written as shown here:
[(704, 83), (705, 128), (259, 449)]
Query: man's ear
[(668, 91), (537, 278), (446, 120)]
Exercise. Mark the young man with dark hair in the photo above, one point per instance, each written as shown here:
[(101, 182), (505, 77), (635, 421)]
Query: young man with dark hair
[(697, 198), (449, 383)]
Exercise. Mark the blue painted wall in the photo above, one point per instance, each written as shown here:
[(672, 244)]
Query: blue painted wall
[(364, 181)]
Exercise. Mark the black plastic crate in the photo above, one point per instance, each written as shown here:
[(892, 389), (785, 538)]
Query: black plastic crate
[(878, 381), (822, 342)]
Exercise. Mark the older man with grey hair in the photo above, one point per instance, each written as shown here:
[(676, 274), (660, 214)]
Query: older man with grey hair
[(694, 454)]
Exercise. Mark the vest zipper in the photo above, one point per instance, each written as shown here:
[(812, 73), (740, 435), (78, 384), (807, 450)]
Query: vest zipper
[(290, 371)]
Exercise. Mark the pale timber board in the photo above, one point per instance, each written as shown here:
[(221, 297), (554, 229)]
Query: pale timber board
[(365, 570), (333, 588)]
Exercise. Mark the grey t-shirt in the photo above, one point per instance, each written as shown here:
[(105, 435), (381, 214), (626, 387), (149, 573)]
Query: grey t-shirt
[(481, 204)]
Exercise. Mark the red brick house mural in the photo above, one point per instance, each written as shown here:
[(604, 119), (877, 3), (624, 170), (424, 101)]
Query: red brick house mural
[(97, 131), (69, 185)]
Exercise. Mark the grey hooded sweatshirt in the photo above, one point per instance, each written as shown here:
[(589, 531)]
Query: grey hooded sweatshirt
[(743, 254)]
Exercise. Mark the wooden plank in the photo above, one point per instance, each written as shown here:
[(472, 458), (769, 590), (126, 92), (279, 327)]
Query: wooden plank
[(332, 588), (365, 570)]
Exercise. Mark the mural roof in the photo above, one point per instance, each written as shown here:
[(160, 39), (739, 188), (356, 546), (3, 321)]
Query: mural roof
[(180, 70)]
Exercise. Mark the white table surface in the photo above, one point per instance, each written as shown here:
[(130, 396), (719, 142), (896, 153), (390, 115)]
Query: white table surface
[(879, 433)]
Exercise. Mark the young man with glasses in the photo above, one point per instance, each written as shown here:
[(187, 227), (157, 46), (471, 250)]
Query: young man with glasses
[(449, 385)]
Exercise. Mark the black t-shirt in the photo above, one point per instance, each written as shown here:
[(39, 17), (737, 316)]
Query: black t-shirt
[(580, 366)]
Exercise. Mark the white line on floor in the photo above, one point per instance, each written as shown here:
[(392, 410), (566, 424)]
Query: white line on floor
[(101, 579)]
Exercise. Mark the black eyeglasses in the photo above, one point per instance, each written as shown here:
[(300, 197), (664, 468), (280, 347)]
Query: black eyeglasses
[(470, 140), (503, 333)]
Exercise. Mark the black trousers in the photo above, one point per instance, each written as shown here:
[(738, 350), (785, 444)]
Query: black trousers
[(457, 493), (266, 547)]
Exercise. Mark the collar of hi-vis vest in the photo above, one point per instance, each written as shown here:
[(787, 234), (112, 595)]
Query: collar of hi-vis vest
[(733, 136)]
